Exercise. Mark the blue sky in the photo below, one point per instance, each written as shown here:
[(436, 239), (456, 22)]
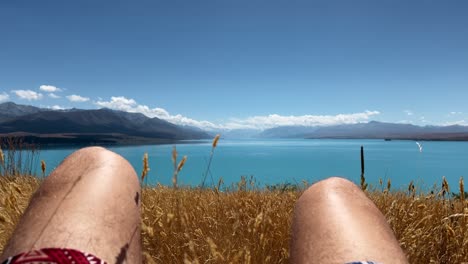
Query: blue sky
[(241, 64)]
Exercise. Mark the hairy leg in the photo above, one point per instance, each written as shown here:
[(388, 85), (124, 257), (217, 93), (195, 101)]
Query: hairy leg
[(334, 222), (91, 203)]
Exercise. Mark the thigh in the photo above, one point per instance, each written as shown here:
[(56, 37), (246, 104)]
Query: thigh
[(89, 203), (334, 222)]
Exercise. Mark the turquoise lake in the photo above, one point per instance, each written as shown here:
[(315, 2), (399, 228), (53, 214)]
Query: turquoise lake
[(295, 160)]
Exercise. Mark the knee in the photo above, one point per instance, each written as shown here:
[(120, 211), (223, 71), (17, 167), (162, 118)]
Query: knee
[(98, 156), (98, 159), (103, 157), (95, 152), (332, 183), (333, 186)]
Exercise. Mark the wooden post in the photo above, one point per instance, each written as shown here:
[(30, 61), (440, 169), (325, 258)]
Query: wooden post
[(363, 179), (362, 160)]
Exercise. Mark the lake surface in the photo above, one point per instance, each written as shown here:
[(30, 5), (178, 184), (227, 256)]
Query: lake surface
[(295, 160)]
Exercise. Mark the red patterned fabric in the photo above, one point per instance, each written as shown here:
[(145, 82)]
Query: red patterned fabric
[(54, 256)]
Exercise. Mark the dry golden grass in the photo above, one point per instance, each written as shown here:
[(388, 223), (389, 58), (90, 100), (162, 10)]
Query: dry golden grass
[(15, 193), (200, 226), (207, 226)]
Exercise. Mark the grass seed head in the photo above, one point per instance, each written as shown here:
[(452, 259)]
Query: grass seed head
[(363, 182), (411, 190), (215, 140), (181, 163), (2, 157), (174, 155), (462, 189), (445, 185), (146, 168), (43, 167)]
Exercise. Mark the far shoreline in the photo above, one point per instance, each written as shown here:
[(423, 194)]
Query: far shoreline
[(443, 139), (70, 140)]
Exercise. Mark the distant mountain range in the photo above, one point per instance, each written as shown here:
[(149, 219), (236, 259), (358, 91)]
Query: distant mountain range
[(287, 132), (106, 126), (371, 130), (46, 126)]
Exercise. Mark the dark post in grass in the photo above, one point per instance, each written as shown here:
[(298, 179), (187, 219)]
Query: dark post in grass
[(363, 179)]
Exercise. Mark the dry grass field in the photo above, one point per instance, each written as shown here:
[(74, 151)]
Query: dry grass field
[(182, 225)]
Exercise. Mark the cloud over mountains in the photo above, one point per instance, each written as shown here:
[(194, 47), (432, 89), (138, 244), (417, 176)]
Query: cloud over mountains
[(274, 120), (4, 97), (255, 122), (130, 105), (260, 122)]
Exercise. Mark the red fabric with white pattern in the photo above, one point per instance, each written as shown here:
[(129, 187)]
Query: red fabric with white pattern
[(54, 256)]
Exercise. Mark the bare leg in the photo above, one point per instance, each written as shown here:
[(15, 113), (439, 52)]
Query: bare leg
[(90, 203), (334, 222)]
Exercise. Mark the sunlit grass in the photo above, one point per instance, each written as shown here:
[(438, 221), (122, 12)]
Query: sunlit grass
[(253, 226)]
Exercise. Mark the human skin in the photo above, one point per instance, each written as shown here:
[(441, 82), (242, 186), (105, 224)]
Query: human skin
[(91, 203), (334, 222)]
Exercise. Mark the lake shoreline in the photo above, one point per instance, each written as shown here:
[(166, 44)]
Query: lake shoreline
[(72, 140)]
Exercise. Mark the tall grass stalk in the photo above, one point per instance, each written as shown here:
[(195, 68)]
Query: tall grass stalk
[(213, 147), (177, 166), (43, 168), (462, 189), (145, 169), (2, 161), (17, 157)]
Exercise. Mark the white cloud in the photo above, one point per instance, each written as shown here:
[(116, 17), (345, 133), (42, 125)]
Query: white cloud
[(423, 119), (459, 122), (49, 88), (129, 105), (255, 122), (119, 103), (77, 98), (408, 112), (274, 120), (52, 95), (456, 113), (27, 94), (4, 97), (404, 122), (57, 107)]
